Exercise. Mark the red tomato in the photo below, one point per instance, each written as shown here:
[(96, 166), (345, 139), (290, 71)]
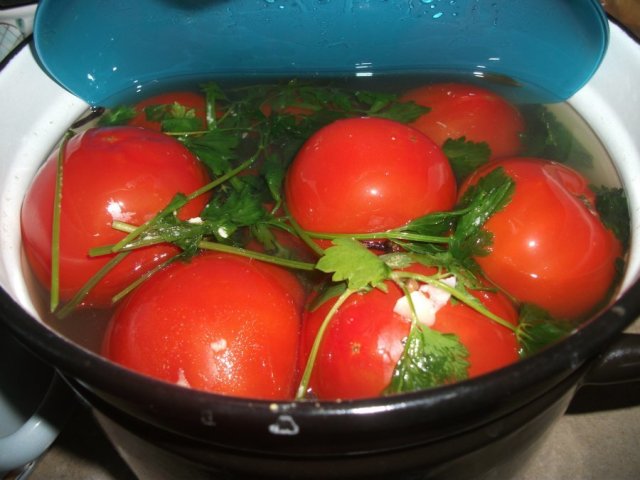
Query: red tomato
[(190, 100), (220, 323), (460, 110), (365, 340), (549, 246), (365, 175), (118, 173)]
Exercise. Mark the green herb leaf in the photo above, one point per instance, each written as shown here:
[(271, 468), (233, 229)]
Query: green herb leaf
[(490, 195), (613, 208), (387, 105), (430, 359), (240, 206), (216, 149), (349, 261), (432, 224), (547, 137), (465, 156), (120, 115), (537, 329), (274, 172)]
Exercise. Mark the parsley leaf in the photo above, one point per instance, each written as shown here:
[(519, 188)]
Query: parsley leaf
[(430, 359), (537, 329), (216, 149), (491, 194), (465, 156), (611, 204), (348, 260), (120, 115), (547, 137)]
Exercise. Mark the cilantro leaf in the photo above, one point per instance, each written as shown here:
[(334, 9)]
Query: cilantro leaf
[(349, 261), (537, 329), (430, 359), (465, 156)]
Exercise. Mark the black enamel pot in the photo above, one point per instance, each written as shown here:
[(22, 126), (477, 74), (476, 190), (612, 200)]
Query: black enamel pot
[(485, 427)]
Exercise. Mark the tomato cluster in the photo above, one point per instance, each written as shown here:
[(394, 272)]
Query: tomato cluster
[(238, 292)]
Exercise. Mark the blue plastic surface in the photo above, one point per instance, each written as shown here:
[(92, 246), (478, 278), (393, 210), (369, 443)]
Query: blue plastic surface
[(104, 50)]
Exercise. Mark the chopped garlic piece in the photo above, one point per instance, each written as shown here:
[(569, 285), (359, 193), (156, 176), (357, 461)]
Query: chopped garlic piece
[(195, 221), (427, 300), (424, 308), (438, 296)]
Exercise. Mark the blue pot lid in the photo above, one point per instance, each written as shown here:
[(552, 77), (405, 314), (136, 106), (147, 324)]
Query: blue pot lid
[(104, 51)]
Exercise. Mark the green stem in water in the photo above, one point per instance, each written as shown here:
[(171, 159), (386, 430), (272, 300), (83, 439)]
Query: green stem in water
[(214, 246), (390, 235), (302, 233), (313, 353), (86, 288), (54, 294)]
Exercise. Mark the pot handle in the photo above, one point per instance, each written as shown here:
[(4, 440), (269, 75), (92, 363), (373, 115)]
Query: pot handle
[(620, 363)]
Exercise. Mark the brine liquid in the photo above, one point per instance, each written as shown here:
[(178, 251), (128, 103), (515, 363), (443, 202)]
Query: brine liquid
[(86, 327)]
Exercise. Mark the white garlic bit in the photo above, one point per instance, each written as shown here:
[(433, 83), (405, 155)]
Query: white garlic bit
[(427, 300)]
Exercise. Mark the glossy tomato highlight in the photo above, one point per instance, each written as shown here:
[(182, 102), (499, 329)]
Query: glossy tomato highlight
[(461, 110), (220, 323), (365, 175), (116, 173), (549, 247)]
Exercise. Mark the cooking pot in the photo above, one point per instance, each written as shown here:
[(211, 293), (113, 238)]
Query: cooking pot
[(481, 428)]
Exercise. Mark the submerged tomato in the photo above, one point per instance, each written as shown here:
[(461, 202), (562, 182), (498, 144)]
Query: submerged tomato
[(190, 100), (118, 173), (367, 175), (549, 247), (365, 339), (220, 323), (460, 110)]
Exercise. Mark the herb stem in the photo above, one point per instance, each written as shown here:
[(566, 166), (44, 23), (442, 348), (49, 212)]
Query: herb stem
[(390, 235), (86, 288), (303, 386), (283, 262), (54, 294), (302, 233), (214, 246)]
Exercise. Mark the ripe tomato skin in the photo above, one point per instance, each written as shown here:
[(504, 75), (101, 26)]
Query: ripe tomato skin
[(220, 323), (364, 341), (367, 174), (490, 346), (190, 100), (549, 248), (461, 110), (115, 173)]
